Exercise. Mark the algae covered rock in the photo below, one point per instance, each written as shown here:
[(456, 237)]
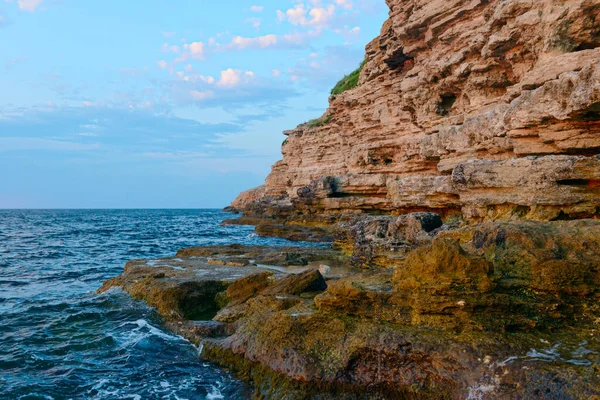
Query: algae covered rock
[(174, 292), (292, 352), (516, 275), (478, 312), (245, 288), (444, 262), (383, 241), (296, 284), (558, 257), (367, 295)]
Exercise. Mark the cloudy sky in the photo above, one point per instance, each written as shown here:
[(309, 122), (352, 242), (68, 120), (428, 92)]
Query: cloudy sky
[(162, 103)]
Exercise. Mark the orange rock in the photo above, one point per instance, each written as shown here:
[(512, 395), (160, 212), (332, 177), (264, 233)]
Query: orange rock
[(449, 86)]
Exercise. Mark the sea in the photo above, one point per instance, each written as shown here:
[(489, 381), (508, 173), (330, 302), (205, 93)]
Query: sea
[(61, 340)]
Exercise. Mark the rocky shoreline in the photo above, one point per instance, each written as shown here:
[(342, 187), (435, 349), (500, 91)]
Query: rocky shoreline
[(501, 310), (459, 185)]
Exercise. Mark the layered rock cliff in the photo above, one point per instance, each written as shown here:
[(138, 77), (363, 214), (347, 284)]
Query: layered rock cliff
[(485, 108), (459, 181)]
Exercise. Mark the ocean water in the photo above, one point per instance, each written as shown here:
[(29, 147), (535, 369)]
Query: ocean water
[(60, 340)]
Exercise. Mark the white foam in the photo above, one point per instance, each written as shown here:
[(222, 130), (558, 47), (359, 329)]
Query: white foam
[(145, 330), (552, 355), (45, 396), (101, 383), (214, 394)]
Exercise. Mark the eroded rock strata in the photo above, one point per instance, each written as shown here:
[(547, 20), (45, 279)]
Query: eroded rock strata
[(489, 109), (459, 183)]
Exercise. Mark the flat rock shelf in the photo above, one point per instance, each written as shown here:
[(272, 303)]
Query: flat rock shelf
[(467, 329)]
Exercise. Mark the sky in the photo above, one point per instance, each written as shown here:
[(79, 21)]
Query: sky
[(163, 103)]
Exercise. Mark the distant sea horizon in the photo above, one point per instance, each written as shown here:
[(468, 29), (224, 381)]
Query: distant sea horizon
[(112, 209)]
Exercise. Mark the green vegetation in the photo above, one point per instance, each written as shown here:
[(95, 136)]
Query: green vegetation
[(315, 123), (349, 81)]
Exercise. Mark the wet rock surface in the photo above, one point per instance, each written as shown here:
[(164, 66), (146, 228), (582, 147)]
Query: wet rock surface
[(498, 310)]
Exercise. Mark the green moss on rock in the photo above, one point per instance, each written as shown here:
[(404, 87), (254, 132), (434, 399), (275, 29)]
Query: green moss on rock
[(349, 81)]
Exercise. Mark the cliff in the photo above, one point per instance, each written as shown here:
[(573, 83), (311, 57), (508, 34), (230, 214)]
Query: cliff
[(460, 183), (487, 109)]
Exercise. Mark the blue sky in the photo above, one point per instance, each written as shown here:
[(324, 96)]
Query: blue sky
[(156, 103)]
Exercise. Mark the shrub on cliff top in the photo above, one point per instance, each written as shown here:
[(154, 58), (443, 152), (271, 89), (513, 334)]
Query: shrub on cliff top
[(349, 81)]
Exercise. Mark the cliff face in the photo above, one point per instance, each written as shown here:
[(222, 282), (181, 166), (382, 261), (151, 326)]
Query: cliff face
[(467, 113), (485, 107)]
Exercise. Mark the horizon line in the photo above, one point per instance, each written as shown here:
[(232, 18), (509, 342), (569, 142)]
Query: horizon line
[(108, 209)]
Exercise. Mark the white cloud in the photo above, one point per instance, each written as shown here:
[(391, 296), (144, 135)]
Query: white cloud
[(318, 17), (233, 77), (29, 5), (276, 73), (347, 4), (240, 42), (296, 15), (255, 22), (257, 9), (321, 16), (347, 33), (280, 16), (162, 64), (201, 95), (168, 34), (197, 50), (166, 48)]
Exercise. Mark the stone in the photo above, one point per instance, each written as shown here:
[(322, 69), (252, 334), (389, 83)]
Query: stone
[(296, 284), (180, 288), (454, 89), (246, 198), (236, 255), (230, 261), (245, 288), (325, 270), (504, 276), (467, 311), (382, 241)]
